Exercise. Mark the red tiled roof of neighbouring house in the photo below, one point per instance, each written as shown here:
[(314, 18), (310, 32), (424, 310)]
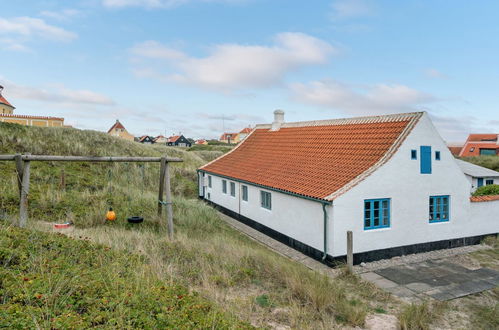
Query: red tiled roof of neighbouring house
[(318, 159), (4, 101), (31, 117), (200, 141), (143, 137), (246, 130), (116, 125), (174, 138), (482, 137), (489, 198), (455, 150)]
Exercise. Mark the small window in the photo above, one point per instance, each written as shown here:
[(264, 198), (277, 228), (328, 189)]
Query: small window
[(472, 149), (414, 154), (245, 193), (266, 200), (233, 189), (489, 182), (224, 186), (209, 181), (437, 155), (439, 208), (376, 213)]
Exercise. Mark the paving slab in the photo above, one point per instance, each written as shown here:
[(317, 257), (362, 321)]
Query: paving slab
[(401, 291), (419, 287), (370, 276), (383, 283)]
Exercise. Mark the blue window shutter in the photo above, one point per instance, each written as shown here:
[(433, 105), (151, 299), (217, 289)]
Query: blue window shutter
[(425, 155), (480, 182)]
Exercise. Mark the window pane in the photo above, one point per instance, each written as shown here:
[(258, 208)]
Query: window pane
[(385, 219), (367, 205), (376, 205), (367, 222), (367, 214)]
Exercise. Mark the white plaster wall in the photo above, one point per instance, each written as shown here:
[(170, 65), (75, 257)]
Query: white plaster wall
[(295, 217), (400, 180), (485, 213)]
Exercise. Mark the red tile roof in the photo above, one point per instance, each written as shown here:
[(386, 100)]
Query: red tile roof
[(482, 137), (455, 150), (116, 125), (4, 101), (246, 130), (320, 159), (478, 199), (30, 117), (174, 138)]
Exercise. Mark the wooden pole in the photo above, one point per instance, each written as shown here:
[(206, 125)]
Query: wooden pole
[(350, 251), (62, 184), (169, 206), (162, 169), (23, 207), (19, 170)]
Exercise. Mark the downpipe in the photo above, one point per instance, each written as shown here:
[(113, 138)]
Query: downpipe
[(324, 211)]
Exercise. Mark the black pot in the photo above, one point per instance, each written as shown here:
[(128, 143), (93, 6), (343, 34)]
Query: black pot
[(135, 219)]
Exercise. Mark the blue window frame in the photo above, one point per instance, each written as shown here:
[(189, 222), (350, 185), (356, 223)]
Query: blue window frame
[(266, 200), (414, 154), (233, 189), (376, 213), (245, 193), (437, 155), (209, 181), (224, 186), (425, 152), (439, 208), (479, 182), (489, 182)]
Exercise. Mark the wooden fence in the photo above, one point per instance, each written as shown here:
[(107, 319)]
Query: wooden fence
[(23, 175)]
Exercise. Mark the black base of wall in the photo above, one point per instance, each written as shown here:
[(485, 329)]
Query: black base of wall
[(358, 257)]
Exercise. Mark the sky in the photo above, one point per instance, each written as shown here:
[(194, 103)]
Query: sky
[(201, 67)]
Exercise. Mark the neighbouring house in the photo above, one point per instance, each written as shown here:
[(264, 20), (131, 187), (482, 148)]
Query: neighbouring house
[(146, 139), (455, 148), (244, 133), (179, 141), (7, 116), (201, 141), (160, 139), (391, 180), (120, 131), (477, 175), (479, 145), (230, 138)]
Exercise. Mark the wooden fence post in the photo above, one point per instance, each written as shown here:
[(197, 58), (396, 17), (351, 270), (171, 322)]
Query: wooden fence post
[(169, 206), (62, 184), (162, 169), (19, 170), (23, 207), (350, 251)]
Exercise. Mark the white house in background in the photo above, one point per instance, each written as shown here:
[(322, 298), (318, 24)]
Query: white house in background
[(391, 180), (477, 175)]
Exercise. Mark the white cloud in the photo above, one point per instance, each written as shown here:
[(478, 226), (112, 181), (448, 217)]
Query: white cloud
[(231, 67), (360, 100), (61, 15), (34, 27), (435, 74), (346, 9), (55, 94), (157, 3)]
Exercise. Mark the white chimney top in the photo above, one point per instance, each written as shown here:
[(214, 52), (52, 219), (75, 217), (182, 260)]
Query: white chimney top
[(278, 120)]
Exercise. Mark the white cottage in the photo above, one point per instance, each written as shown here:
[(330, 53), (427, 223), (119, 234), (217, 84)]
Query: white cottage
[(389, 179), (477, 175)]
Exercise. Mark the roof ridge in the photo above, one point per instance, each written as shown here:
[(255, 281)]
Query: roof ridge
[(349, 121), (385, 158)]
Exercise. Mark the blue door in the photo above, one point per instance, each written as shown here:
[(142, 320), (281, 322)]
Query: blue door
[(425, 159), (480, 182)]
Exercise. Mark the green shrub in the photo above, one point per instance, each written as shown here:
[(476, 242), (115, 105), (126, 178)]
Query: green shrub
[(491, 189)]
